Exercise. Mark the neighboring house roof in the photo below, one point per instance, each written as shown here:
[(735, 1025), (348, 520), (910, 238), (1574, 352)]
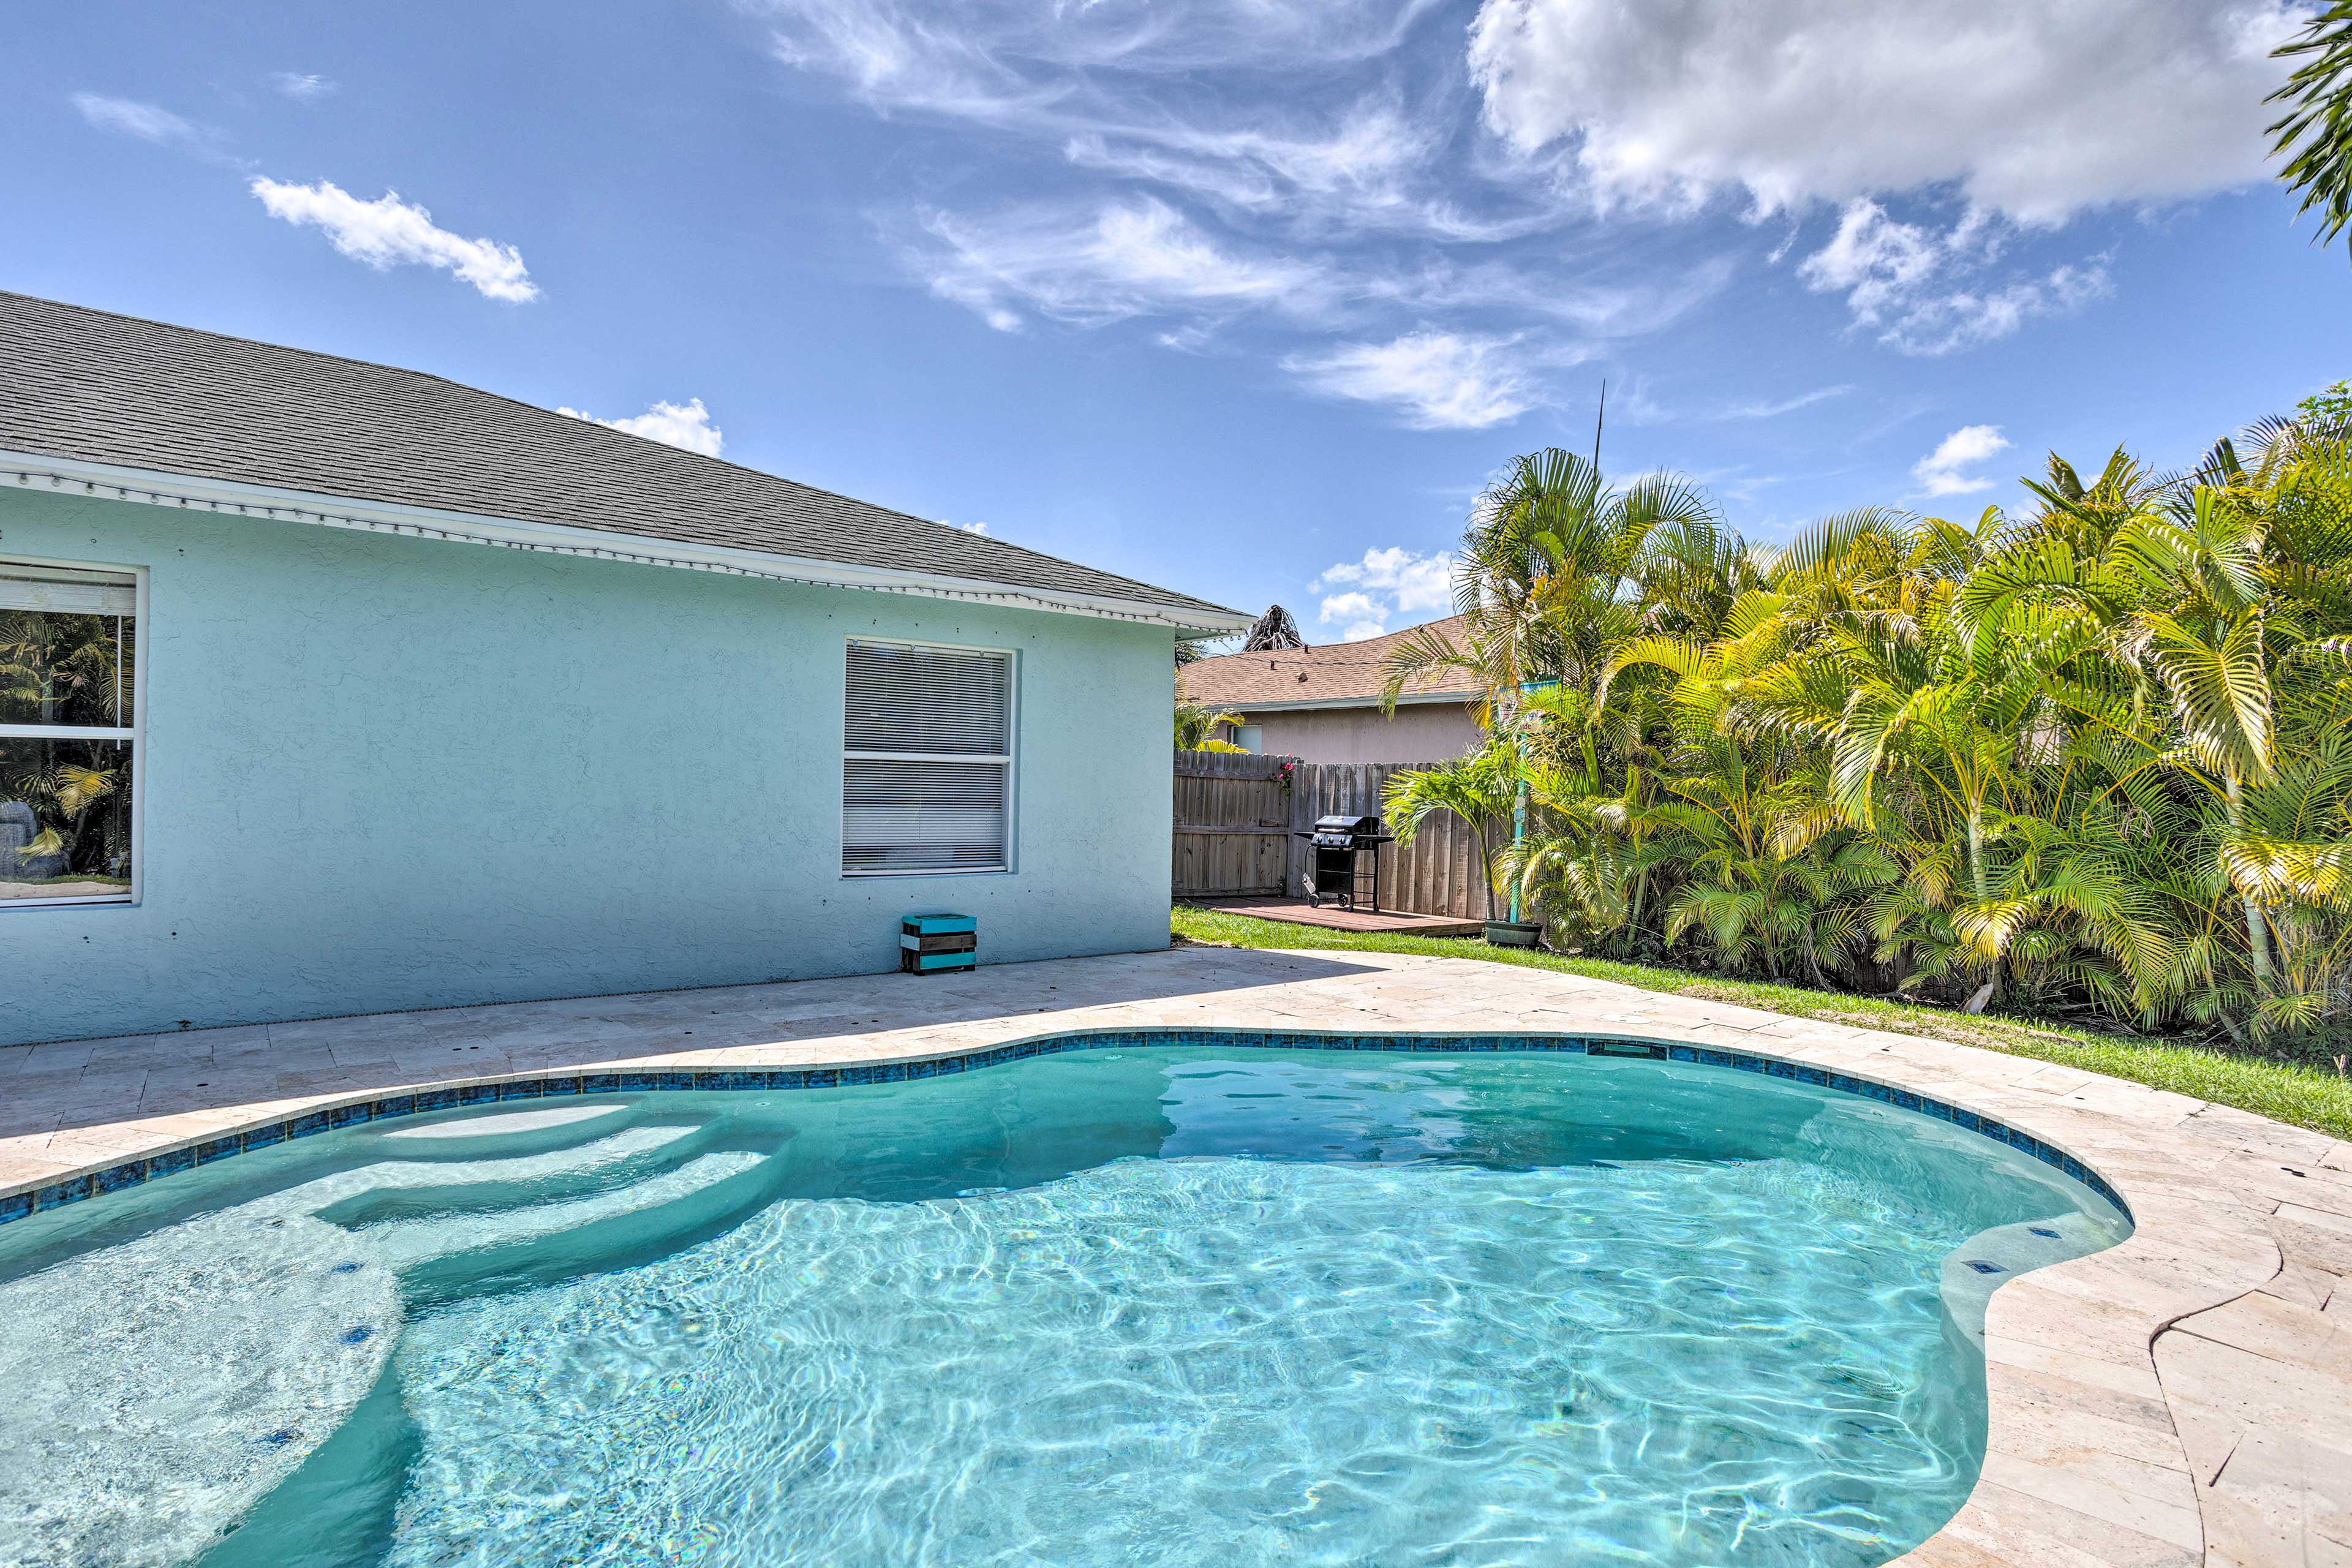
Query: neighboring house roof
[(1335, 675), (99, 388)]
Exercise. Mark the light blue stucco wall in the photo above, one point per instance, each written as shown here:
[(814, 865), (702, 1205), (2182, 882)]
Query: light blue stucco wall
[(386, 773)]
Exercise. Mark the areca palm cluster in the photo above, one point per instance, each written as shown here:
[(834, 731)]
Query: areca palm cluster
[(2090, 757)]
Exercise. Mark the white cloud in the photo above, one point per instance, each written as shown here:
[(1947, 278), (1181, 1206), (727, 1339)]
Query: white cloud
[(1121, 261), (1410, 581), (686, 425), (303, 85), (388, 230), (131, 118), (1939, 470), (2030, 109), (1358, 616), (1443, 381), (1912, 283), (1386, 584)]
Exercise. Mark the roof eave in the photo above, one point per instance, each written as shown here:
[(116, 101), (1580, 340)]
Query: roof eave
[(46, 473), (1245, 705)]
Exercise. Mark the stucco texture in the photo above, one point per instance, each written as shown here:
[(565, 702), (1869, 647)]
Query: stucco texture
[(1416, 733), (384, 772)]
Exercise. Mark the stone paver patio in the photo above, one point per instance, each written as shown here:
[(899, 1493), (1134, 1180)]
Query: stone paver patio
[(2183, 1398)]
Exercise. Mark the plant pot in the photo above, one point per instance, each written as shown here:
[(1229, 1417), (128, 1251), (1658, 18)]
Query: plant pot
[(1514, 933)]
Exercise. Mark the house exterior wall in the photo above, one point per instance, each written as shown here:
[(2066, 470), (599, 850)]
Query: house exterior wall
[(383, 773), (1418, 732)]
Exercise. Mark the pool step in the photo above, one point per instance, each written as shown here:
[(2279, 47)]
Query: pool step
[(403, 1243)]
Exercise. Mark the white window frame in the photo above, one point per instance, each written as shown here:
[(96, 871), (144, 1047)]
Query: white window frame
[(136, 733), (1010, 760)]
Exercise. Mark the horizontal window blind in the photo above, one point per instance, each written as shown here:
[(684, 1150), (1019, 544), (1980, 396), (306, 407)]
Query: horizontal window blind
[(926, 760), (67, 592)]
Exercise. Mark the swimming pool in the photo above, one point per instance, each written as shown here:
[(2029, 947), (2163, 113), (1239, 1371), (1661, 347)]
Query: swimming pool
[(1230, 1300)]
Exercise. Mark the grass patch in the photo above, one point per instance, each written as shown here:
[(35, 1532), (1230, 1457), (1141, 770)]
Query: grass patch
[(2303, 1095)]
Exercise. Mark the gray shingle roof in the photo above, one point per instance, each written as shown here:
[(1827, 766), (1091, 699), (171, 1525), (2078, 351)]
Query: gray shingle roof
[(102, 388)]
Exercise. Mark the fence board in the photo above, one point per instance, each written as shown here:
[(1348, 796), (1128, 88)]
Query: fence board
[(1235, 830)]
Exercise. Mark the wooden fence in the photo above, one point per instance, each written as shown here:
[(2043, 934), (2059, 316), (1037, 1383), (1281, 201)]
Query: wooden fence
[(1237, 817)]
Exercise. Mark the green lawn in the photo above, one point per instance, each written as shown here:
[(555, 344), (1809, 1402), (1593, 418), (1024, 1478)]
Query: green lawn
[(2307, 1097)]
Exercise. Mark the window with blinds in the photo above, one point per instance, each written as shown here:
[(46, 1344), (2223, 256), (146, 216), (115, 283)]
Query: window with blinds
[(926, 760)]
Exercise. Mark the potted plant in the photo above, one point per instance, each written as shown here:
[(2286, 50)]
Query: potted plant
[(1482, 789)]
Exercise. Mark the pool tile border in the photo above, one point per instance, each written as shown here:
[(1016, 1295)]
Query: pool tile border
[(42, 1198)]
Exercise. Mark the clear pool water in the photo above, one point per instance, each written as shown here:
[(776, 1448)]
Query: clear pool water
[(1165, 1306)]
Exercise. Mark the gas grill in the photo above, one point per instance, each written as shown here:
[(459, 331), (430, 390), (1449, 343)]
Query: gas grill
[(1344, 856)]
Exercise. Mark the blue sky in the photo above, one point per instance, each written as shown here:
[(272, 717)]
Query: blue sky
[(1244, 297)]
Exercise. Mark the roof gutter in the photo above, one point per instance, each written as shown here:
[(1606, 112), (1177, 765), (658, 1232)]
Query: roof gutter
[(1407, 699), (69, 476)]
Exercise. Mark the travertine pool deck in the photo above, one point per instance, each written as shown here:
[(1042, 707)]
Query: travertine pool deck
[(2183, 1398)]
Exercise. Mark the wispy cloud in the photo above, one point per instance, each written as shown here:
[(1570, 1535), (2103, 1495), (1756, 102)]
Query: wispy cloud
[(1939, 470), (387, 232), (301, 85), (1107, 264), (1438, 380), (129, 117), (1772, 408), (686, 425)]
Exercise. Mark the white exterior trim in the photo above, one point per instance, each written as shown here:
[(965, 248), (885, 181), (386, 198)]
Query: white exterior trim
[(136, 734), (156, 488)]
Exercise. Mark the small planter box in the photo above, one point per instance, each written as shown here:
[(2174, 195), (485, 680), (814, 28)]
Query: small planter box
[(1514, 933), (932, 944)]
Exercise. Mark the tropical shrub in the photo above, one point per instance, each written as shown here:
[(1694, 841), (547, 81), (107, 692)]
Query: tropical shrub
[(2095, 759)]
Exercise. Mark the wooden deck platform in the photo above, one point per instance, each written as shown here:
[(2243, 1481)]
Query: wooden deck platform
[(1297, 913)]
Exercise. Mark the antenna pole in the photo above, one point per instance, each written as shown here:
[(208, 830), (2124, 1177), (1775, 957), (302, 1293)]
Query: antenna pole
[(1598, 415)]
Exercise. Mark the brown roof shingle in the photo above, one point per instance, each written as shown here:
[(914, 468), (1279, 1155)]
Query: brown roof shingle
[(89, 384), (1347, 673)]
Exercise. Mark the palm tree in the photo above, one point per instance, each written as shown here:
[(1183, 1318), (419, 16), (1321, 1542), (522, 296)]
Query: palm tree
[(1197, 723), (1479, 788), (2315, 136)]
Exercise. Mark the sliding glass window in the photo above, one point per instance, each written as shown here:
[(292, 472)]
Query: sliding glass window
[(69, 733)]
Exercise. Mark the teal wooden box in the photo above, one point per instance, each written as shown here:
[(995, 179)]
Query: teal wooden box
[(928, 944)]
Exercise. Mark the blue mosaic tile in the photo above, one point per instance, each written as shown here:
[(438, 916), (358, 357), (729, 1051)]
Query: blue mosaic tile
[(1981, 1267), (58, 1193), (132, 1173)]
